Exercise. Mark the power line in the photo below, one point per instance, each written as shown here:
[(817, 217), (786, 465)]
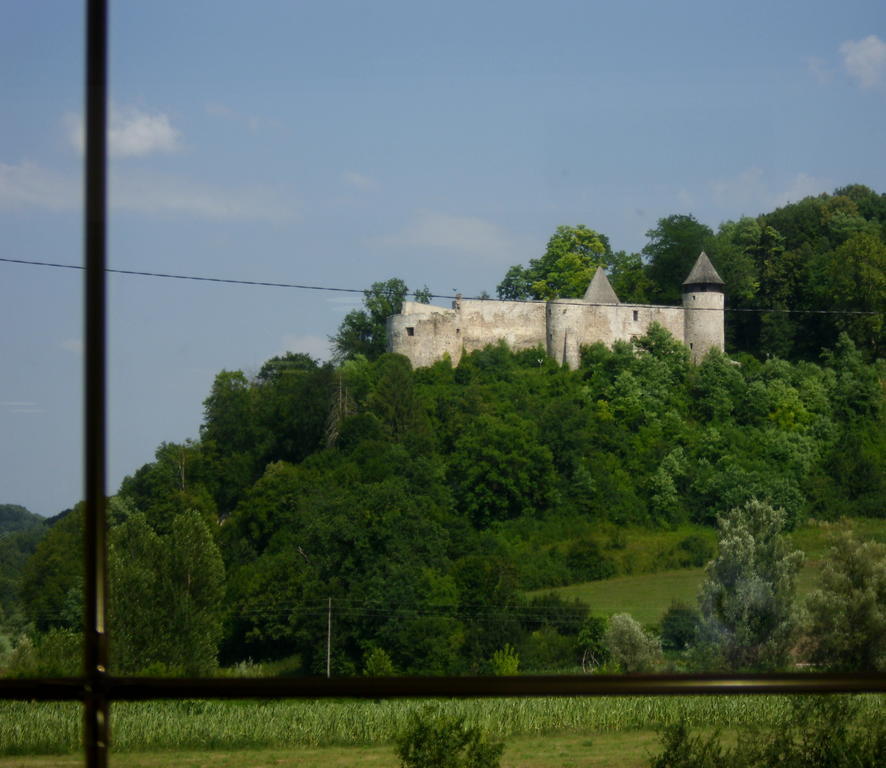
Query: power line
[(457, 297)]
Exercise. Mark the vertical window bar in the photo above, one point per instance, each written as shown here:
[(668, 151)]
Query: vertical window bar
[(96, 726)]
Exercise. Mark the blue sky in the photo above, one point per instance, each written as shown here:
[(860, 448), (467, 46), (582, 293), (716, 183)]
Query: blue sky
[(340, 143)]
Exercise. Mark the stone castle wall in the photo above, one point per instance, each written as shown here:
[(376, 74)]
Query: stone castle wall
[(427, 333)]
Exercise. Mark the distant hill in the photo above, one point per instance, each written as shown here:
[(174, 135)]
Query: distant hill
[(14, 517)]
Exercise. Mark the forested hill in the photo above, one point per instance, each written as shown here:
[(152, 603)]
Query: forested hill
[(424, 501), (14, 517)]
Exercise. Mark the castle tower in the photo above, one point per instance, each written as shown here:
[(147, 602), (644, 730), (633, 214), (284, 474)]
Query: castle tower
[(574, 322), (703, 300)]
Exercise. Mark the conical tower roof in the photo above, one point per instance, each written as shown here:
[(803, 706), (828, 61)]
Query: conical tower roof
[(600, 291), (703, 273)]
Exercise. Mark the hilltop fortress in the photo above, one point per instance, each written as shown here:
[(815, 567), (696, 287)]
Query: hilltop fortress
[(426, 333)]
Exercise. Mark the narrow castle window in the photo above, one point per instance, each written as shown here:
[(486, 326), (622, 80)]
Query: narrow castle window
[(458, 331), (410, 331), (636, 315)]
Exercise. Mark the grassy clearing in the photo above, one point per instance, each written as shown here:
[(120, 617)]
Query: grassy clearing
[(647, 596), (28, 728)]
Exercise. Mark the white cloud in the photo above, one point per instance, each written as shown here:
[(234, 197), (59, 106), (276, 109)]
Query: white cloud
[(131, 132), (27, 184), (358, 180), (30, 185), (459, 234), (315, 346), (865, 60)]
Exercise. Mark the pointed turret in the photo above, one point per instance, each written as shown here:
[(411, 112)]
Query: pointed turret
[(703, 273), (600, 291), (703, 299)]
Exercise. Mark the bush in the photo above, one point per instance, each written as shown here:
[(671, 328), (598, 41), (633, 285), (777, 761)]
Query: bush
[(696, 550), (56, 653), (377, 663), (847, 613), (684, 750), (818, 732), (679, 626), (546, 649), (587, 562), (434, 740), (505, 661), (632, 648)]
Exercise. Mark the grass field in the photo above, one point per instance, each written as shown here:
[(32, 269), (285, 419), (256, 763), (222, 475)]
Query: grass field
[(647, 596), (627, 750)]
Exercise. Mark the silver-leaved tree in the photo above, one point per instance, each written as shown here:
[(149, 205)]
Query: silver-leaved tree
[(749, 617)]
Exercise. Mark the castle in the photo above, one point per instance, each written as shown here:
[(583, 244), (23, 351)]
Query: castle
[(426, 333)]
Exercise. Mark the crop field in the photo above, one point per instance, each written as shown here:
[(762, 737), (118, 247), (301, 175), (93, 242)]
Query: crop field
[(28, 728)]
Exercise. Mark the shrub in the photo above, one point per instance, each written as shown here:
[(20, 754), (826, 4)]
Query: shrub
[(587, 562), (696, 550), (377, 663), (816, 732), (505, 661), (847, 613), (684, 750), (632, 647), (679, 627), (434, 740), (547, 649), (592, 643), (56, 653)]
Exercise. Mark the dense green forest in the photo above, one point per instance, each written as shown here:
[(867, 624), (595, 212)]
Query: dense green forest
[(423, 504)]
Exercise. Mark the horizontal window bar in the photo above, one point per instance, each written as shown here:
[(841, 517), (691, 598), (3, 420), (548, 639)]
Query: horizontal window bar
[(143, 688)]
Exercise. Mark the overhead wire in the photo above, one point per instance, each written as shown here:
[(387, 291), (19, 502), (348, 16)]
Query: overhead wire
[(455, 297)]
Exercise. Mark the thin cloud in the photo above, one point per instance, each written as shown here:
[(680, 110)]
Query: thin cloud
[(865, 60), (21, 406), (344, 301), (30, 185), (743, 191), (315, 346), (165, 194), (820, 70), (465, 235), (358, 180), (802, 185), (131, 132), (73, 345), (253, 123), (750, 191)]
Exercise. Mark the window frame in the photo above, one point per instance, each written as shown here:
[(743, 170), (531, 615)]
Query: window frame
[(96, 688)]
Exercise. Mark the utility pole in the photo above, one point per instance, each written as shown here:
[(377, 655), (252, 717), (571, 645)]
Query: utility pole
[(329, 639)]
